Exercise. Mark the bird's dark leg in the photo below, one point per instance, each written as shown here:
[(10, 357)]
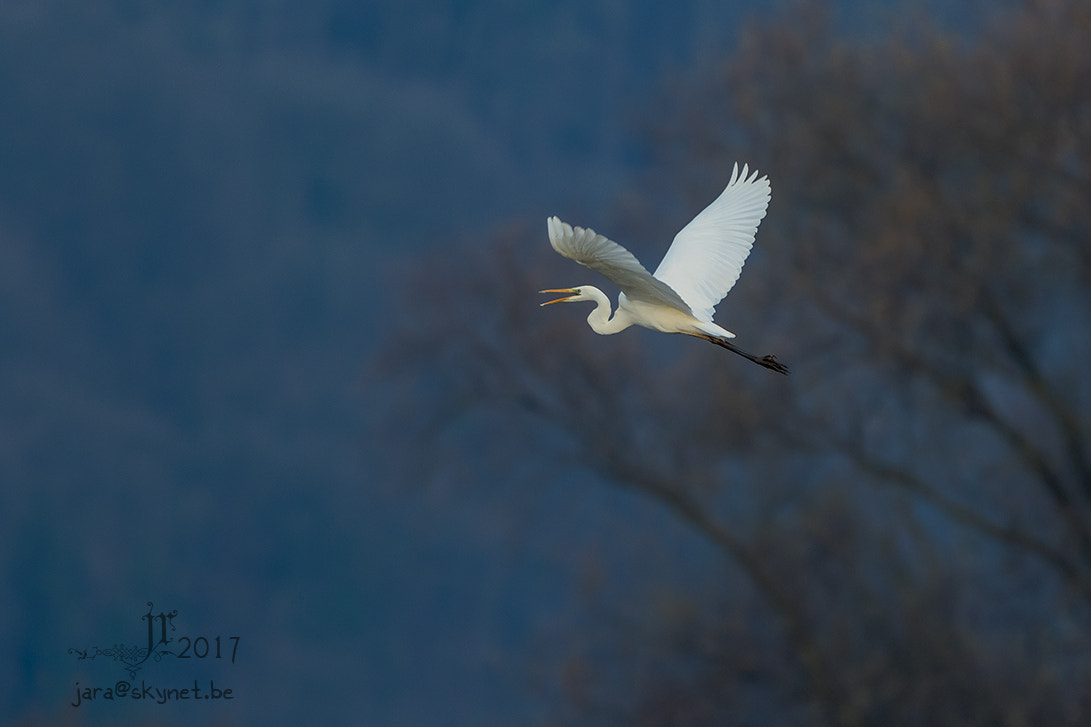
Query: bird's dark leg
[(769, 362)]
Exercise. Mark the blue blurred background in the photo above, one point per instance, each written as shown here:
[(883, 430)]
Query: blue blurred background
[(207, 215)]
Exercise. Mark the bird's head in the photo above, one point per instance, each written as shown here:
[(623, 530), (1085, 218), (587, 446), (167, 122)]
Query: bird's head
[(571, 295)]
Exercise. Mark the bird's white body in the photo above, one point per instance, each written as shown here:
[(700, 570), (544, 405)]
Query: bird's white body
[(649, 315), (700, 267)]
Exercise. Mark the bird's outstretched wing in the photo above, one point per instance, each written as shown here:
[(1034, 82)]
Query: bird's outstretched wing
[(592, 250), (706, 257)]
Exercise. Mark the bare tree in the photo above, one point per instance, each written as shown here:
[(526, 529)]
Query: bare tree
[(937, 222), (911, 511)]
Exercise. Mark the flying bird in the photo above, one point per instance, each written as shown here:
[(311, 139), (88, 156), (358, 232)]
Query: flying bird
[(701, 265)]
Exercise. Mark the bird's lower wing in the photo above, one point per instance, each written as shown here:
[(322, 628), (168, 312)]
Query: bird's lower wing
[(617, 264)]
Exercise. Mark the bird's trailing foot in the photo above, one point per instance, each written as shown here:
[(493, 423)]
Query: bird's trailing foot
[(769, 362)]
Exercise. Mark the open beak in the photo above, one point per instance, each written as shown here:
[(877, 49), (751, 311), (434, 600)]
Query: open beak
[(568, 293)]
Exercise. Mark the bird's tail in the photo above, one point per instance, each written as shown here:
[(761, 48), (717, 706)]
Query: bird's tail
[(769, 362)]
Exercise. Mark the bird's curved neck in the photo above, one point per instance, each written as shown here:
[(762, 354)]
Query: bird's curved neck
[(600, 320)]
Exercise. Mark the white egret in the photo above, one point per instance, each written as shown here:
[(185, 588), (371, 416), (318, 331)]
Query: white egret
[(701, 265)]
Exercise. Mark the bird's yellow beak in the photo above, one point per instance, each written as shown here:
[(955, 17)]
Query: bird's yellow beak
[(568, 293)]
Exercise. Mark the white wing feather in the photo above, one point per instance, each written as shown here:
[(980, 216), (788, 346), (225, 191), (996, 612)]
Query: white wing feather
[(706, 257), (620, 266)]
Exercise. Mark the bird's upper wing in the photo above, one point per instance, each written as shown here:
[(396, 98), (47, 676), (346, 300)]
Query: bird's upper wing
[(706, 257), (591, 249)]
